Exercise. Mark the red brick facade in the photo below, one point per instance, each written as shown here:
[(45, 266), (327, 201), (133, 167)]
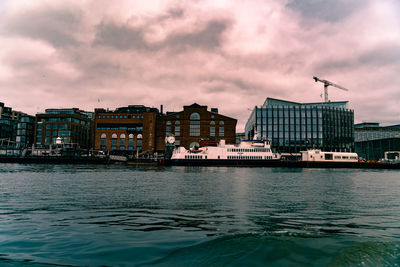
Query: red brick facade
[(193, 124), (129, 129)]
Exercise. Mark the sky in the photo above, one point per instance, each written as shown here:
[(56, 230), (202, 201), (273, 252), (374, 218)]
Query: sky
[(231, 55)]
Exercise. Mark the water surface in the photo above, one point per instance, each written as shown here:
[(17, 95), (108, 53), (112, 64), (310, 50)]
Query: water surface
[(198, 216)]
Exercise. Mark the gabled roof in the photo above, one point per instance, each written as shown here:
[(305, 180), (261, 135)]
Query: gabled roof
[(194, 105)]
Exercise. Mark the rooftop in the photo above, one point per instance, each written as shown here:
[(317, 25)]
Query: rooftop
[(279, 102)]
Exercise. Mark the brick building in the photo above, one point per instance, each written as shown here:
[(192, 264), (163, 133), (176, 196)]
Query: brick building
[(127, 129), (194, 123)]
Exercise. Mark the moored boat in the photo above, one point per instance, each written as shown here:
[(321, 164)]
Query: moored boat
[(247, 153)]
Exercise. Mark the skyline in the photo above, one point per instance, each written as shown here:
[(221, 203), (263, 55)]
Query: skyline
[(223, 54)]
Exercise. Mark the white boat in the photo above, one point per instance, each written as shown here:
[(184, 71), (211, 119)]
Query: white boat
[(316, 155), (252, 152)]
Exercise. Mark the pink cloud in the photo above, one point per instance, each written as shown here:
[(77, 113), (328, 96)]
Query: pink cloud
[(230, 55)]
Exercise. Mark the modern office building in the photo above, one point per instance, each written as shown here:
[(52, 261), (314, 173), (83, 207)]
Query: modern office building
[(8, 126), (193, 124), (294, 127), (125, 130), (72, 125), (368, 131), (25, 131), (372, 140)]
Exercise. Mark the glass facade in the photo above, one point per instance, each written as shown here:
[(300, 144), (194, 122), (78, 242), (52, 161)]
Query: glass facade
[(295, 127)]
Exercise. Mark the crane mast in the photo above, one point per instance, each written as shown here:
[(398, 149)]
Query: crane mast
[(326, 84)]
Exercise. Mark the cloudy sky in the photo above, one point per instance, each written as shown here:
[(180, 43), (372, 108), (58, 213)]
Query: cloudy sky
[(225, 54)]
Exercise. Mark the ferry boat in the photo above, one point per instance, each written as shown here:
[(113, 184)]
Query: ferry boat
[(316, 155), (247, 153)]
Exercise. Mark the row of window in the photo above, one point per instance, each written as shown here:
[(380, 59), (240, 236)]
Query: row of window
[(122, 141), (82, 122), (55, 126), (120, 116), (249, 157), (249, 150), (345, 157), (194, 157), (121, 136), (178, 122)]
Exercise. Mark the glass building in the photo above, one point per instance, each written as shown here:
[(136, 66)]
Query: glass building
[(25, 131), (72, 125), (294, 127)]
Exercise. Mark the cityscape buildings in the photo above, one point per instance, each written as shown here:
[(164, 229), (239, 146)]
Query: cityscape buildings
[(140, 130), (294, 127)]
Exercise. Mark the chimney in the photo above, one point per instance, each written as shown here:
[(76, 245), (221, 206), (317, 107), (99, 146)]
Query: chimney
[(161, 109), (215, 110)]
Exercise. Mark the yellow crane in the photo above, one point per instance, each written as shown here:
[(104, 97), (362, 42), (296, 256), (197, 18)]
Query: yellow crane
[(326, 84)]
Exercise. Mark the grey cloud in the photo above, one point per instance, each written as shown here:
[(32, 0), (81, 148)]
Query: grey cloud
[(56, 26), (379, 56), (176, 12), (382, 55), (122, 37), (331, 11), (209, 38)]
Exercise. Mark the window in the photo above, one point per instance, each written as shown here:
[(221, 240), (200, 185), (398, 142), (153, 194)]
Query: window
[(194, 124), (221, 131), (177, 131), (130, 142), (103, 139), (212, 131), (212, 122), (177, 123), (122, 142), (114, 141), (139, 142), (221, 123)]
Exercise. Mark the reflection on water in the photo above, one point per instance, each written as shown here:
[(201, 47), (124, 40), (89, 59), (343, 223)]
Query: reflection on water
[(117, 214)]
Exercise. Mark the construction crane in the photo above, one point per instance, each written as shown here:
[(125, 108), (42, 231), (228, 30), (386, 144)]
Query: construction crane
[(326, 84)]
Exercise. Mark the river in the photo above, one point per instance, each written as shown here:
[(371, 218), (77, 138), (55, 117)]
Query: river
[(116, 215)]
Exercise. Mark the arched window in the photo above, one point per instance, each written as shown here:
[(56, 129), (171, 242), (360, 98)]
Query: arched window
[(103, 141), (130, 142), (195, 124), (114, 141), (177, 122), (212, 122), (122, 139), (139, 142), (221, 123)]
